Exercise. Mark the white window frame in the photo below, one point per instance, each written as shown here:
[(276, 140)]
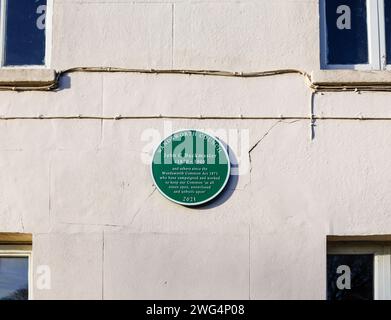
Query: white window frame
[(382, 264), (48, 35), (22, 251), (376, 39)]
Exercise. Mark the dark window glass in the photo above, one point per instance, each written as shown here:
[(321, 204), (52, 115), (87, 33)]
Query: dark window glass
[(387, 9), (361, 277), (347, 34), (25, 32), (13, 278)]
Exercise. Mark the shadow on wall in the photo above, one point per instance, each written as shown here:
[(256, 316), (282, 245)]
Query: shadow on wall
[(229, 188)]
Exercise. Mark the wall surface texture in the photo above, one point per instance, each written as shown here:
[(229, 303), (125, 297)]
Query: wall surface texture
[(81, 187)]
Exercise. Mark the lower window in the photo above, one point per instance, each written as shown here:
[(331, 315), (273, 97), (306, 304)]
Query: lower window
[(15, 273), (359, 271)]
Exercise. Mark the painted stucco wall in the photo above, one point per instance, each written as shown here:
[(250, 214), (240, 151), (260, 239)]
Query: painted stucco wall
[(82, 189)]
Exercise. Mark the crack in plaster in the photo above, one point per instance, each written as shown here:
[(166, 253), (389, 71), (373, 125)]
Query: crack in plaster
[(21, 221), (142, 206), (255, 146), (103, 112), (91, 224), (50, 191), (260, 141)]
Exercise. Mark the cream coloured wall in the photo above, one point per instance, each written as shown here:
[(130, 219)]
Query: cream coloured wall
[(81, 188)]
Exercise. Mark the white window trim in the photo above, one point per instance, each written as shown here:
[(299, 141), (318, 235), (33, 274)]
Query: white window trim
[(20, 251), (48, 40), (376, 39), (382, 264), (3, 5), (382, 37)]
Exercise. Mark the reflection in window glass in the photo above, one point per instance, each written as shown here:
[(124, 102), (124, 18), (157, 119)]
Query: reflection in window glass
[(350, 271), (25, 32), (13, 278), (347, 35)]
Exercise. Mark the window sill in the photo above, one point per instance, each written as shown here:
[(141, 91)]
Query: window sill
[(348, 77), (27, 77)]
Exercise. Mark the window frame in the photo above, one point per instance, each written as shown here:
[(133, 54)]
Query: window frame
[(21, 251), (376, 39), (48, 37), (382, 263)]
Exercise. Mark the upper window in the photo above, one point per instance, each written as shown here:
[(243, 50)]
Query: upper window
[(23, 33), (355, 34)]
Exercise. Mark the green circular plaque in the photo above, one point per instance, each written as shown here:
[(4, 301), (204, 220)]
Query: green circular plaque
[(190, 167)]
